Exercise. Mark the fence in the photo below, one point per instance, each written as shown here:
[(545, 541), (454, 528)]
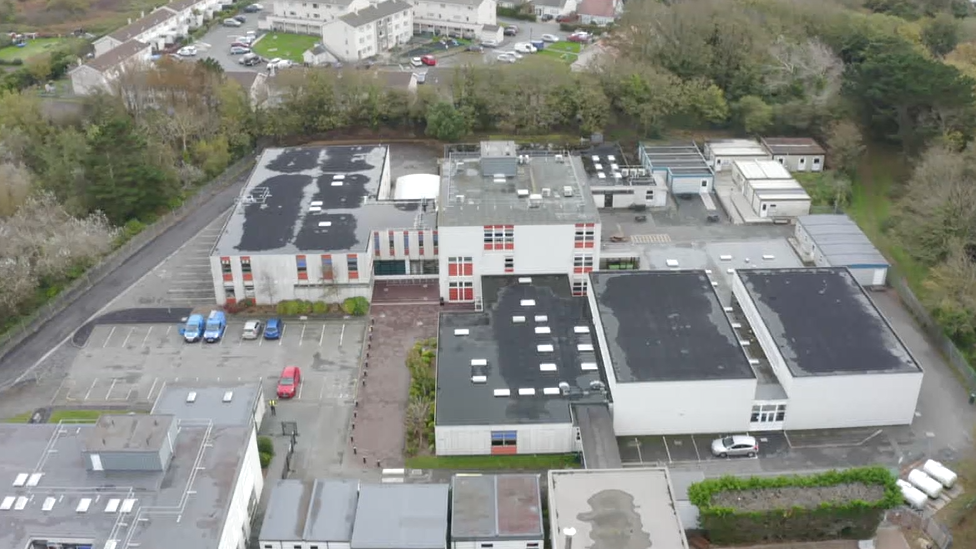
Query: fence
[(114, 260)]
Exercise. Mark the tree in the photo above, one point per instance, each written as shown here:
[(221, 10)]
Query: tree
[(951, 295), (446, 123), (753, 114), (845, 146), (940, 34), (269, 287), (15, 186), (418, 410)]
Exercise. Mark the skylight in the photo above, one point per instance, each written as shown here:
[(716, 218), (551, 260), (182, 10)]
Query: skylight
[(541, 318), (542, 330), (527, 303), (550, 391), (588, 366), (584, 347), (325, 223), (526, 391), (525, 279), (545, 348), (479, 362), (503, 392), (581, 329), (462, 331), (547, 367), (518, 319)]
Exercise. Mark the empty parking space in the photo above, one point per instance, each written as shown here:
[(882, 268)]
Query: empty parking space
[(677, 449), (167, 336), (682, 448)]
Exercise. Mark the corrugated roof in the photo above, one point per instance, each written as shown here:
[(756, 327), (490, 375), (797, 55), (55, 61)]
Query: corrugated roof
[(840, 240)]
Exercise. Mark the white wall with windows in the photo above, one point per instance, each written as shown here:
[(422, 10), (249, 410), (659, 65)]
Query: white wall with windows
[(352, 43), (309, 17), (457, 17), (625, 197), (546, 438), (405, 253), (273, 278)]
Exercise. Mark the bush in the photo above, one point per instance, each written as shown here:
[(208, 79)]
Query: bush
[(266, 446), (515, 13), (356, 306), (12, 62), (320, 307), (419, 423), (265, 459)]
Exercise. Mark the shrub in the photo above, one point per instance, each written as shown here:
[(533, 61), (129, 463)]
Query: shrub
[(291, 307), (320, 307), (305, 307), (356, 306), (265, 459), (266, 446), (516, 13)]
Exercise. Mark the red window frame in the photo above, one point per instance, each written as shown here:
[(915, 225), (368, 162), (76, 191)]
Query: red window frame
[(302, 271), (248, 274), (352, 273), (327, 273), (227, 276)]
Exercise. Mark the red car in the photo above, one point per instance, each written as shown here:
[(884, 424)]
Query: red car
[(291, 378), (429, 60)]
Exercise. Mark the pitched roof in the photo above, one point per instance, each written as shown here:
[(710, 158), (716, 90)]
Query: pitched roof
[(375, 12), (180, 5), (597, 8), (117, 55), (245, 78), (143, 24)]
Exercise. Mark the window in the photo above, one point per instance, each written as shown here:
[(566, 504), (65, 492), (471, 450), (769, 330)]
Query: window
[(460, 291), (509, 264), (816, 161), (420, 240), (582, 263), (585, 234), (246, 268), (406, 242), (579, 288), (226, 269), (504, 438), (499, 237), (302, 267), (249, 291), (435, 243), (487, 545), (768, 413), (460, 266), (352, 266), (392, 243), (327, 267), (229, 292), (649, 194), (376, 243)]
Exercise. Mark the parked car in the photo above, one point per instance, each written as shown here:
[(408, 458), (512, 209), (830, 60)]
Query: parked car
[(429, 60), (240, 18), (288, 383), (506, 58), (735, 445), (253, 8), (246, 40), (239, 50), (513, 54), (511, 30), (273, 329), (417, 62), (566, 18), (279, 63), (252, 329), (550, 38), (187, 51), (476, 48), (232, 23), (490, 43), (525, 47), (240, 45), (547, 17), (581, 37)]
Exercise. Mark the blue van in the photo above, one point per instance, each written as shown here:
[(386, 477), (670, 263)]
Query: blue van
[(272, 330), (192, 331), (216, 324)]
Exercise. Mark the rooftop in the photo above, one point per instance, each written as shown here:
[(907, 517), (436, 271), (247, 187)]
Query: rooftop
[(666, 326), (128, 433), (523, 360), (823, 323), (793, 145), (222, 403), (841, 241), (631, 508), (606, 166), (186, 505), (516, 187), (679, 158), (755, 170), (143, 24), (286, 511), (117, 55), (597, 8), (332, 511), (316, 200), (374, 13), (736, 147), (496, 507), (401, 516)]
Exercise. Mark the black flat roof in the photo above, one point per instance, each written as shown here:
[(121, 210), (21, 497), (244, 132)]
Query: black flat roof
[(667, 326), (513, 360), (316, 200), (823, 323)]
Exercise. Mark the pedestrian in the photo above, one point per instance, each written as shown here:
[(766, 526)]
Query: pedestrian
[(272, 403)]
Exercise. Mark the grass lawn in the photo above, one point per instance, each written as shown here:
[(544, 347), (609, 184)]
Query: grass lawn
[(527, 462), (564, 46), (284, 45), (33, 48), (563, 56), (81, 416), (19, 418), (958, 515)]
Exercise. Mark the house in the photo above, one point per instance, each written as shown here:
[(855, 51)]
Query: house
[(553, 8), (834, 240), (492, 33), (317, 56), (254, 83), (496, 510), (398, 80), (598, 12), (150, 29), (462, 18), (768, 189), (190, 14), (307, 17), (367, 32), (101, 73), (721, 153), (681, 165), (798, 154)]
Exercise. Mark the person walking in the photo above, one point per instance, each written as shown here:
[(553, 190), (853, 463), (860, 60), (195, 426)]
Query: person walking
[(272, 404)]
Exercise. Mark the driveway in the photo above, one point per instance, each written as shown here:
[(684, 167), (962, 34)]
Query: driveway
[(216, 44)]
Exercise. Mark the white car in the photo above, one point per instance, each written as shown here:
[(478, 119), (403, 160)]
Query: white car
[(550, 38), (416, 61), (252, 329), (525, 47), (187, 51), (490, 43), (506, 58), (245, 40), (513, 54)]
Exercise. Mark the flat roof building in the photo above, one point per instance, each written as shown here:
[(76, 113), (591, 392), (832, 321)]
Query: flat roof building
[(632, 508), (284, 521), (401, 516), (720, 153), (318, 513), (836, 356), (230, 403), (496, 508), (797, 154), (765, 189), (682, 165), (836, 241), (615, 183), (507, 376)]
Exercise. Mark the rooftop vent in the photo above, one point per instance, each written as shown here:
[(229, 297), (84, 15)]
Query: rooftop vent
[(525, 280), (584, 347), (461, 331), (725, 257), (564, 387), (502, 392), (325, 223), (522, 193), (544, 348), (588, 366), (526, 391), (597, 385), (547, 367), (769, 257), (581, 329), (568, 191), (192, 397), (527, 303), (112, 505), (128, 504), (673, 263), (730, 271), (542, 330), (48, 504), (535, 200), (34, 479), (7, 503), (541, 318), (754, 361), (228, 396), (550, 391), (736, 325), (518, 319), (83, 505), (316, 203), (479, 362), (21, 479), (21, 503)]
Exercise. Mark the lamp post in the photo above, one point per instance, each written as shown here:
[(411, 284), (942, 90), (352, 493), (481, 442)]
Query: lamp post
[(569, 532)]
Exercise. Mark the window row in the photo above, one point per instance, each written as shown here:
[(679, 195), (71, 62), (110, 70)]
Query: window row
[(768, 413), (460, 291), (585, 235), (391, 242), (499, 237), (582, 263), (579, 287), (460, 266), (352, 267)]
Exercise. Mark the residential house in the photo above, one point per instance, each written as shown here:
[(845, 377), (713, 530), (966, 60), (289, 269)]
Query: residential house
[(149, 29), (190, 14), (308, 17), (464, 18), (798, 154), (317, 56), (101, 72), (494, 33), (254, 83), (554, 8), (599, 12), (367, 32)]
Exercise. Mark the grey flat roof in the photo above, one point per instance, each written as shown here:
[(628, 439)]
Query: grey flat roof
[(332, 511), (601, 159), (209, 403), (823, 322), (513, 359), (286, 511), (485, 202), (401, 516), (675, 156), (277, 214), (841, 241), (600, 449), (496, 507), (666, 326), (128, 433), (736, 147), (793, 145), (615, 508), (57, 451)]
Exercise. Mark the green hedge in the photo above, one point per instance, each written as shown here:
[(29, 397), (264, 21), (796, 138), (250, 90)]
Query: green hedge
[(847, 520), (515, 13)]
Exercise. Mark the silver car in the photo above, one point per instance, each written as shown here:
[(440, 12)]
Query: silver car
[(735, 445), (252, 329)]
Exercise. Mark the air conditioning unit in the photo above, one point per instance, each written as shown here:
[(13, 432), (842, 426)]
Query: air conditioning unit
[(643, 172), (459, 198), (625, 172), (546, 192), (568, 191)]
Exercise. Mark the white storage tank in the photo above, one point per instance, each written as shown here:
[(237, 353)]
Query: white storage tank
[(913, 496), (925, 483), (940, 473)]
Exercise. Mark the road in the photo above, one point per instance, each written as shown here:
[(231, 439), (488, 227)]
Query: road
[(216, 44), (49, 337)]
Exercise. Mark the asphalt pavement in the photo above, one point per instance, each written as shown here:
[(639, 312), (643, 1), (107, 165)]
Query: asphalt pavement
[(216, 44)]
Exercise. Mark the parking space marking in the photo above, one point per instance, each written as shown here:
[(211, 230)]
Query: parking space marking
[(127, 336), (145, 340), (301, 387), (90, 389), (302, 338), (342, 333), (322, 336), (107, 339), (322, 392), (695, 445), (281, 339), (666, 449), (108, 393), (153, 388)]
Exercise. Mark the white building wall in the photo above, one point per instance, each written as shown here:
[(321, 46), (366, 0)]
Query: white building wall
[(762, 334), (249, 484), (780, 208), (844, 401), (682, 407), (440, 16), (313, 14), (691, 185), (801, 162), (105, 44), (722, 163), (86, 80), (406, 244), (657, 199), (274, 278), (548, 438), (498, 544)]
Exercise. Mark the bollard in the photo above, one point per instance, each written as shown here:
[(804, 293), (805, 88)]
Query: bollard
[(355, 404), (352, 439), (354, 414), (354, 450), (364, 382), (972, 398), (364, 461), (364, 374), (378, 464)]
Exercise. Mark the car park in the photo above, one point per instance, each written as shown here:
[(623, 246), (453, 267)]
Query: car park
[(734, 446), (416, 62), (216, 326), (252, 329), (239, 50), (232, 23), (187, 51), (273, 329), (245, 40), (288, 383), (550, 38), (525, 47), (429, 60)]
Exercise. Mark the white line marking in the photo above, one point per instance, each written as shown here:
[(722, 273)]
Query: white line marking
[(146, 339), (127, 336), (58, 392), (640, 457), (108, 393), (322, 392), (787, 437), (322, 336), (168, 330), (302, 338), (301, 387), (107, 339), (342, 333), (152, 388), (90, 389), (281, 338), (260, 340), (666, 449), (695, 444)]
